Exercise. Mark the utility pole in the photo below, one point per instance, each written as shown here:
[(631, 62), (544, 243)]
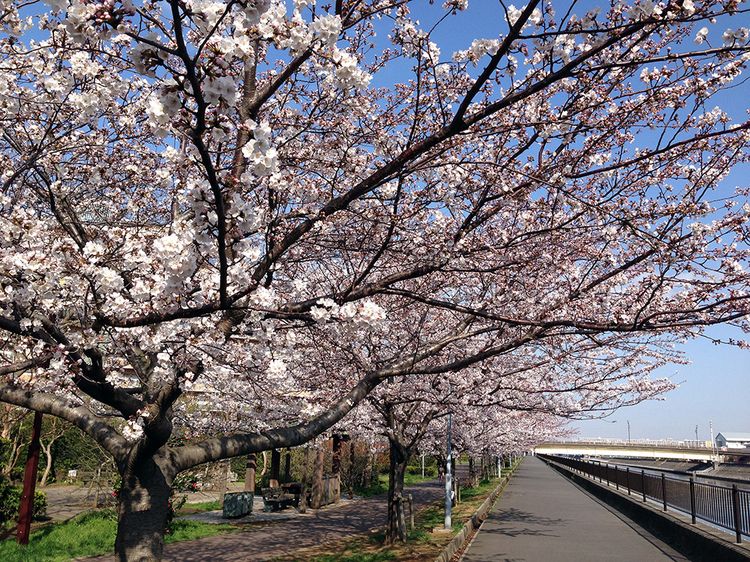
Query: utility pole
[(696, 433), (628, 432), (448, 480)]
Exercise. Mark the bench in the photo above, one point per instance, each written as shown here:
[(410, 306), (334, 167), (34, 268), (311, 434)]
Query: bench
[(276, 499)]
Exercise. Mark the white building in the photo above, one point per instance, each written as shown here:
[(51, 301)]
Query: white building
[(733, 440)]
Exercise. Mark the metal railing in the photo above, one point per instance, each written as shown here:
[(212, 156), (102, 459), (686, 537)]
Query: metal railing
[(726, 507)]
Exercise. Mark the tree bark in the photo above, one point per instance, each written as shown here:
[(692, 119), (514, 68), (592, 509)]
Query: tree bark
[(317, 480), (250, 473), (396, 527), (367, 470), (142, 513), (275, 468), (225, 467), (47, 448), (288, 466)]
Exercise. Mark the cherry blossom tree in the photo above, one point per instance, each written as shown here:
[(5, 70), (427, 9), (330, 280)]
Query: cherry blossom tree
[(195, 194), (508, 403)]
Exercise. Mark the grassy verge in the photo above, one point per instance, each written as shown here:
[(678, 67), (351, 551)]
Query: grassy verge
[(90, 534), (423, 545), (199, 507)]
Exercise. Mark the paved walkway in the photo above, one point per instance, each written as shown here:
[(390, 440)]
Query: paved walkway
[(542, 516), (257, 543)]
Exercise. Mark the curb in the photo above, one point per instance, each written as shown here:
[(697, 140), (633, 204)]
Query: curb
[(474, 522)]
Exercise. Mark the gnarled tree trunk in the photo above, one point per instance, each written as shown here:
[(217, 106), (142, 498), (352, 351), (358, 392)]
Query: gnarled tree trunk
[(142, 512), (396, 529)]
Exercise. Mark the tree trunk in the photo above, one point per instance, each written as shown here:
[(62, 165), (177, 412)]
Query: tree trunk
[(275, 468), (317, 479), (48, 467), (142, 513), (288, 466), (396, 528), (351, 469), (250, 467), (225, 467)]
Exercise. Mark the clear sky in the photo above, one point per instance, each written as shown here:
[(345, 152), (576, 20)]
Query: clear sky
[(715, 387)]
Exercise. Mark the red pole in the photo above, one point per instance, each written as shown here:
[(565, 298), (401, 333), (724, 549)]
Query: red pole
[(26, 508)]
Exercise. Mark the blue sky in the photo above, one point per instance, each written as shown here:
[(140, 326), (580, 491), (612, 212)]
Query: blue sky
[(715, 387)]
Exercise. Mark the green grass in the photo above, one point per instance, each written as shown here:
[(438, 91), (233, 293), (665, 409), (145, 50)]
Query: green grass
[(200, 507), (186, 530), (90, 534), (381, 486), (411, 479), (351, 556)]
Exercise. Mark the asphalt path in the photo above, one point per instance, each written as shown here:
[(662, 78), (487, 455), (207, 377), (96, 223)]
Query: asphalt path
[(542, 516)]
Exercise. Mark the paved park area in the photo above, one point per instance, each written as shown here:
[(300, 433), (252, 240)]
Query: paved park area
[(259, 542), (544, 516)]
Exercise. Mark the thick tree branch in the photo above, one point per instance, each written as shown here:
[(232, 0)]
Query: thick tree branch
[(104, 434)]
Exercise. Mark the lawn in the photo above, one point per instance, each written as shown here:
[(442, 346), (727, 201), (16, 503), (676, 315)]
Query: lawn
[(90, 534), (199, 507), (381, 486)]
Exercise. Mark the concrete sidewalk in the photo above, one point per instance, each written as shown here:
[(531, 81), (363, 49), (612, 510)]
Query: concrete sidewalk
[(542, 516)]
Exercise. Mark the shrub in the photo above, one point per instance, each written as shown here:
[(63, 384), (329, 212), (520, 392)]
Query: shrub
[(10, 498)]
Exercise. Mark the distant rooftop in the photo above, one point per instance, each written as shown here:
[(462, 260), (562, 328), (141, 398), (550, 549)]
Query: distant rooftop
[(735, 436)]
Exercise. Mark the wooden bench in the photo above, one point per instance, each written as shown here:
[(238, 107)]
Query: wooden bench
[(276, 499)]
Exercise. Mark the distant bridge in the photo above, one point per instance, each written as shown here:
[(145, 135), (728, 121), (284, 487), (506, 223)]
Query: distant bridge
[(638, 449)]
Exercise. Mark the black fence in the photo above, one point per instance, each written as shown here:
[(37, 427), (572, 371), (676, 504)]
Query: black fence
[(724, 506)]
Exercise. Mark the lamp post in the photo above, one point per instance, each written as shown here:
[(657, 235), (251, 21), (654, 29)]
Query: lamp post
[(448, 479), (628, 432)]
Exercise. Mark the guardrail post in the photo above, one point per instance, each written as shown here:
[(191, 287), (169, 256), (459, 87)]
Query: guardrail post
[(617, 477), (627, 478), (643, 484), (606, 473), (692, 498), (736, 509), (664, 491)]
